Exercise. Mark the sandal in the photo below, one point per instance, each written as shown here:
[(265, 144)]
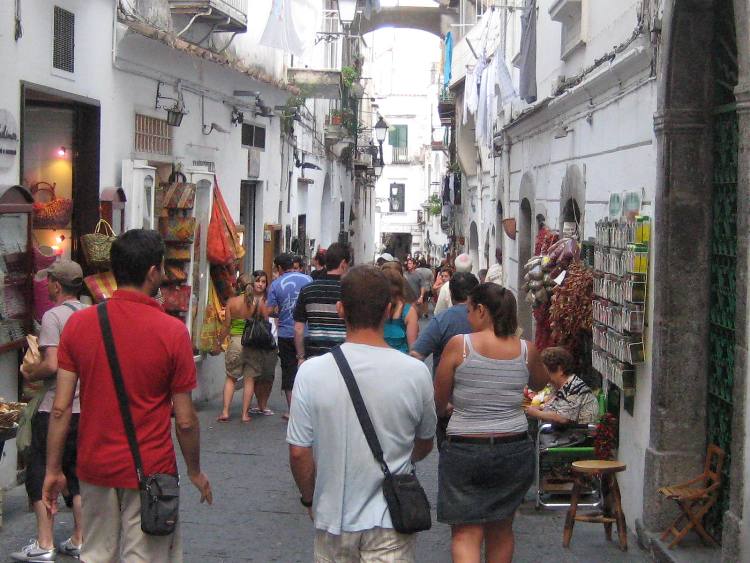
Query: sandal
[(223, 419), (267, 412), (255, 410)]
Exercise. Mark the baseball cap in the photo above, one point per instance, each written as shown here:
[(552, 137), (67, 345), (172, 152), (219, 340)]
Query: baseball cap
[(66, 271), (387, 257)]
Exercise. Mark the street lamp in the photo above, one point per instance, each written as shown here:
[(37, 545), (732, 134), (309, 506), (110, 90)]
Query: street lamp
[(378, 168), (347, 12), (380, 128)]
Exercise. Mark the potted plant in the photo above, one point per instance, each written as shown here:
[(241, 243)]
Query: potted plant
[(336, 117), (349, 75), (435, 205)]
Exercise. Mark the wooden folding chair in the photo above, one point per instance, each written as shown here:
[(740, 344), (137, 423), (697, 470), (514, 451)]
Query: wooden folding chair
[(695, 498)]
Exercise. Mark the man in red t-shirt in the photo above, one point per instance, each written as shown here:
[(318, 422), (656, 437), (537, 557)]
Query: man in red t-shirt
[(158, 370)]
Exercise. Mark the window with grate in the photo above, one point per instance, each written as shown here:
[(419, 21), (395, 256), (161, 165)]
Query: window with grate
[(253, 136), (63, 40), (152, 135)]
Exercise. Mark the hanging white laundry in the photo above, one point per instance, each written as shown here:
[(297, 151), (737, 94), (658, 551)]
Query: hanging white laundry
[(491, 104), (470, 95), (504, 80), (481, 116)]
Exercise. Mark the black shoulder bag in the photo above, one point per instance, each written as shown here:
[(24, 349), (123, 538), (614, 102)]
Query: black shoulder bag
[(160, 493), (405, 497), (257, 333)]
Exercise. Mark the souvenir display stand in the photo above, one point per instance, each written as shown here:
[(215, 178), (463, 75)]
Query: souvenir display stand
[(16, 209), (621, 262)]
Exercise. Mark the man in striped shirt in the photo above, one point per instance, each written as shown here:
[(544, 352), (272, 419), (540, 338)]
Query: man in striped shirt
[(316, 308)]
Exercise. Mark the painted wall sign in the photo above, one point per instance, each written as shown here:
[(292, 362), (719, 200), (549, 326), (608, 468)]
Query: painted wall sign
[(8, 139)]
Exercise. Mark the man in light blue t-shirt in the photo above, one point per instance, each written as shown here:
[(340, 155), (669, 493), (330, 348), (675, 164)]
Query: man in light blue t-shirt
[(282, 299), (339, 480)]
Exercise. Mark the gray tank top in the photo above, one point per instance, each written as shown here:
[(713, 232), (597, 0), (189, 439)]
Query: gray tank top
[(487, 393)]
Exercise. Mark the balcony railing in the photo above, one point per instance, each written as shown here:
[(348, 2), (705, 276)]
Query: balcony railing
[(400, 155), (224, 15)]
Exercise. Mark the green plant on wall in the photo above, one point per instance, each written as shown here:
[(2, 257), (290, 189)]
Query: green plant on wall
[(349, 75), (292, 105), (435, 204), (349, 121)]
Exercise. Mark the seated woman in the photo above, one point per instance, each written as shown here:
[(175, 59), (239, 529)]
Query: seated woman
[(573, 401)]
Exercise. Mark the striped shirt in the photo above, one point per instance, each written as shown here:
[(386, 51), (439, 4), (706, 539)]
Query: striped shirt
[(487, 394), (316, 306)]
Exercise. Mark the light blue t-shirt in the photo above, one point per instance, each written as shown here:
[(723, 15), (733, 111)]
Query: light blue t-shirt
[(398, 393), (283, 294)]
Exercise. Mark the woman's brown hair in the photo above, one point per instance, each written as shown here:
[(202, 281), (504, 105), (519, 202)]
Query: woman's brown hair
[(501, 305), (397, 286)]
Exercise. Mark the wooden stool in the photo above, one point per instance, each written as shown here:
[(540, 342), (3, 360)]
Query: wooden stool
[(612, 510)]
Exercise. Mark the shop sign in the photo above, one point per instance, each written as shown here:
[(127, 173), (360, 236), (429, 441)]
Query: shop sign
[(8, 139)]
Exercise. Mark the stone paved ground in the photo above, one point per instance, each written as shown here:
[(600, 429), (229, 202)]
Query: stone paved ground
[(256, 514)]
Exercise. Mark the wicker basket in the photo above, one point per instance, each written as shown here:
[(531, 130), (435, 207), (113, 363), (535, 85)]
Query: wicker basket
[(50, 212)]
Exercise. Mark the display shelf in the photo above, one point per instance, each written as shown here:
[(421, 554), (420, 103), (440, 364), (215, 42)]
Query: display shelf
[(621, 262)]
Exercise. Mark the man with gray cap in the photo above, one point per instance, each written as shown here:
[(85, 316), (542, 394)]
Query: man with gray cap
[(463, 263), (65, 281)]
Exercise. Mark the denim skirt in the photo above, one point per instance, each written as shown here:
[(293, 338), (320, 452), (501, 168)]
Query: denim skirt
[(480, 483)]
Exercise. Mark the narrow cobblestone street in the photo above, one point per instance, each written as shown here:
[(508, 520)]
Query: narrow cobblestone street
[(256, 515)]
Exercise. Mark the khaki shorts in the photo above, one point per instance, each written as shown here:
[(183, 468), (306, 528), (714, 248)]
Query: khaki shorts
[(242, 361), (378, 545), (112, 529)]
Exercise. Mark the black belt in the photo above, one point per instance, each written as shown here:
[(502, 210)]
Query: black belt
[(489, 439)]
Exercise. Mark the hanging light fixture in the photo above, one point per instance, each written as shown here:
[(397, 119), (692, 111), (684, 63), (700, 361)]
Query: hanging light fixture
[(61, 152), (378, 167), (347, 11), (381, 127), (176, 112)]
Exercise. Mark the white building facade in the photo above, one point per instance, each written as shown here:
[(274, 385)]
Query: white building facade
[(78, 107)]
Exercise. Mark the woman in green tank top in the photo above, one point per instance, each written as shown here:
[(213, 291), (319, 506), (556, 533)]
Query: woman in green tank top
[(255, 367), (402, 329)]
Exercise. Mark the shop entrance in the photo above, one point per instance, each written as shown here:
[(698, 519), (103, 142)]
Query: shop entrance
[(397, 245), (60, 164), (249, 206), (723, 248)]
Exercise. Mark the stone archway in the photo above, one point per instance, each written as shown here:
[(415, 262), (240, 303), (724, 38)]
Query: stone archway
[(525, 245), (684, 124), (573, 188)]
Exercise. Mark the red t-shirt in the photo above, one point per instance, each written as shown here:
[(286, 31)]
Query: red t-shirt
[(156, 359)]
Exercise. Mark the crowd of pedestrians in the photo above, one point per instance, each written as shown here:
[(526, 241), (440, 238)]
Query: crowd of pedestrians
[(369, 317)]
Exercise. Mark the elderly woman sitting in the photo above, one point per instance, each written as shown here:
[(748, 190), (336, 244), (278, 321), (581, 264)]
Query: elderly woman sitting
[(573, 401)]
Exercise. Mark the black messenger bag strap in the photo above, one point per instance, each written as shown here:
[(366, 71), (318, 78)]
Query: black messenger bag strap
[(122, 397), (360, 408)]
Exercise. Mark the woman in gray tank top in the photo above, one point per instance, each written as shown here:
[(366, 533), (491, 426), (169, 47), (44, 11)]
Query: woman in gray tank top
[(487, 463)]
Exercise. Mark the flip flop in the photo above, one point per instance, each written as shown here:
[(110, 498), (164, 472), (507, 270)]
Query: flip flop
[(223, 419), (255, 410), (267, 412)]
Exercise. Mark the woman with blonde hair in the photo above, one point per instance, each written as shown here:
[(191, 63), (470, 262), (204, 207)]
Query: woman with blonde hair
[(247, 362), (402, 328)]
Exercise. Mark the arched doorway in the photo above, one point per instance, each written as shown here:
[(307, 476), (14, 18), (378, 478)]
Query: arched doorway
[(572, 195), (571, 214), (525, 244), (699, 134), (474, 247)]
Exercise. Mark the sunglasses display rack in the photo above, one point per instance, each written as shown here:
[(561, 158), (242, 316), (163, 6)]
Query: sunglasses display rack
[(621, 262)]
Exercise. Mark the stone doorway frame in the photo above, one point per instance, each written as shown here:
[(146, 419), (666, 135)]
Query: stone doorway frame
[(681, 268)]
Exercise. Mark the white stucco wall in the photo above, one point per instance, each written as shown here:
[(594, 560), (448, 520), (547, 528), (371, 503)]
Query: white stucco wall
[(125, 84)]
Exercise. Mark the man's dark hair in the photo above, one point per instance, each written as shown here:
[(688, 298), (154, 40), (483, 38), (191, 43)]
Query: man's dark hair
[(335, 254), (461, 285), (365, 293), (501, 305), (297, 259), (72, 289), (133, 253), (284, 261), (558, 357)]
